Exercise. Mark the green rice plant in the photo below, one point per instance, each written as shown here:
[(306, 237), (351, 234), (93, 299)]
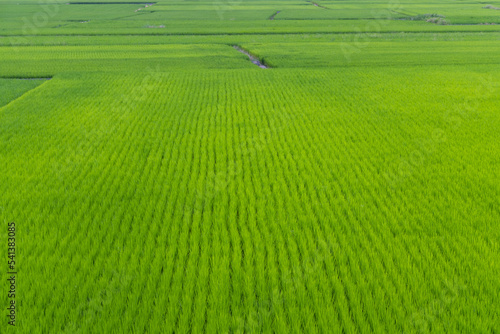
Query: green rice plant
[(162, 183), (301, 230)]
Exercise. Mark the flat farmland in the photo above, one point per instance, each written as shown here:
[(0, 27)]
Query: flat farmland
[(161, 182)]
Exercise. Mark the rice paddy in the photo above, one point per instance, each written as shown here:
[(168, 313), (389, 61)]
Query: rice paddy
[(161, 182)]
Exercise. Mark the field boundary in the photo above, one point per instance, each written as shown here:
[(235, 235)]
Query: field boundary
[(318, 5), (89, 3), (274, 15), (26, 92), (253, 58), (25, 78)]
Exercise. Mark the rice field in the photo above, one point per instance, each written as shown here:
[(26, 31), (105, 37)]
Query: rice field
[(160, 182)]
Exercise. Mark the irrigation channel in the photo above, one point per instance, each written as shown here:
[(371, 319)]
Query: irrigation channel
[(253, 59)]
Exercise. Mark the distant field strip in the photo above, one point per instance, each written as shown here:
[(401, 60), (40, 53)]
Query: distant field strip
[(52, 60), (111, 3), (362, 52), (254, 59), (221, 27), (353, 39)]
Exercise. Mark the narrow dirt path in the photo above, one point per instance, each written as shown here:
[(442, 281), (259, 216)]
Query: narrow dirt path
[(318, 5), (253, 59), (145, 6), (274, 15)]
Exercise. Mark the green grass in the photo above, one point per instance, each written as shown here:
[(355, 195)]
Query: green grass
[(162, 183)]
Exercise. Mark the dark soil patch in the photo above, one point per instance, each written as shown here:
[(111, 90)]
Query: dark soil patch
[(255, 60), (318, 5)]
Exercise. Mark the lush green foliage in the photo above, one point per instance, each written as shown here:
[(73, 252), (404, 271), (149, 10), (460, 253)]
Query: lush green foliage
[(162, 183)]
